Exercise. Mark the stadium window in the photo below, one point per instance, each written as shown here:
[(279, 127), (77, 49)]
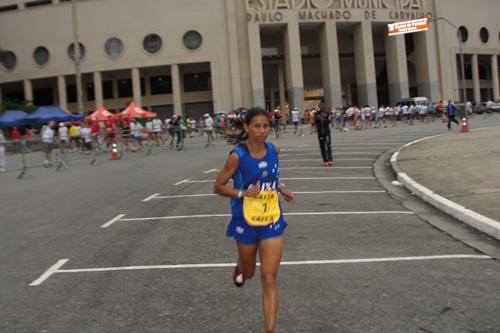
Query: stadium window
[(125, 88), (160, 84), (197, 82), (107, 89)]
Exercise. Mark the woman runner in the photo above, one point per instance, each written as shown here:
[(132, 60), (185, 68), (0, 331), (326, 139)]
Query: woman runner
[(257, 222)]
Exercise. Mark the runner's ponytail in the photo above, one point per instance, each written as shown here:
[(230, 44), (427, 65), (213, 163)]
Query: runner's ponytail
[(235, 133)]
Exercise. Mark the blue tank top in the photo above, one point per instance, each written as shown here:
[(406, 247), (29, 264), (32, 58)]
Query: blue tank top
[(250, 170)]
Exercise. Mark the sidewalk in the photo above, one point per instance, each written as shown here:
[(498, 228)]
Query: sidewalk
[(459, 173)]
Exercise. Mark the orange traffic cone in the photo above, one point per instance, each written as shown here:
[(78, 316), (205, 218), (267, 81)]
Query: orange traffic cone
[(465, 126), (114, 152)]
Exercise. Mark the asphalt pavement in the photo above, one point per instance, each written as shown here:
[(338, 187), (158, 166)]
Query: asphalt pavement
[(138, 245)]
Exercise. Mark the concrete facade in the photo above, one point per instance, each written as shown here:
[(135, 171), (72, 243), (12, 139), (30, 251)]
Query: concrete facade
[(256, 52)]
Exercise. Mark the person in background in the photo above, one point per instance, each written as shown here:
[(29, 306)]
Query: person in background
[(2, 152), (323, 121), (62, 133), (16, 139), (209, 128), (157, 123), (295, 120), (74, 137), (48, 143), (451, 111)]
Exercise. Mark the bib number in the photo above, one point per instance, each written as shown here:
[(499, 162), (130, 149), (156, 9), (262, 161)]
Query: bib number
[(263, 210)]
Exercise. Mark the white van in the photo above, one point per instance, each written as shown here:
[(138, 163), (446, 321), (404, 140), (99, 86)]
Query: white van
[(413, 101)]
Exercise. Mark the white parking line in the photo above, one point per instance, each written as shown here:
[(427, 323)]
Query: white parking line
[(113, 220), (209, 171), (151, 197), (334, 154), (182, 217), (290, 178), (55, 268), (308, 192), (48, 273), (319, 159), (327, 168), (182, 182)]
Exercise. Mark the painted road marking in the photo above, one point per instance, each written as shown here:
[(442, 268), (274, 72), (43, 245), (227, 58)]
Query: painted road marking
[(55, 269), (334, 154), (319, 159), (113, 220), (209, 171), (182, 182), (151, 197), (48, 273), (290, 178), (182, 217), (307, 192), (324, 168)]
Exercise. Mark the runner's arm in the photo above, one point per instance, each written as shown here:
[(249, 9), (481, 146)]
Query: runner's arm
[(220, 186), (277, 146)]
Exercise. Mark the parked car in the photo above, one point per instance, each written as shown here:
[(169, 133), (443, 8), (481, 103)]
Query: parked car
[(488, 107)]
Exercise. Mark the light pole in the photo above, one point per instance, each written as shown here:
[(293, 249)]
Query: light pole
[(76, 54), (461, 48)]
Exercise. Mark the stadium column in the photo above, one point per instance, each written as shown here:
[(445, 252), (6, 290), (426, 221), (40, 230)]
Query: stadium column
[(234, 60), (475, 78), (293, 64), (365, 64), (61, 91), (330, 64), (99, 100), (397, 68), (494, 77), (258, 98), (426, 65), (136, 86), (176, 89), (28, 91), (281, 83)]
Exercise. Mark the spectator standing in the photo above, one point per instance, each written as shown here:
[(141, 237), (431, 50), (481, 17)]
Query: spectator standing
[(451, 111), (48, 143), (295, 120), (16, 138), (323, 121), (2, 152), (62, 132), (209, 128)]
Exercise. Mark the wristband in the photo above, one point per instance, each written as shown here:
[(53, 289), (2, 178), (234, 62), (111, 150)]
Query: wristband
[(240, 194)]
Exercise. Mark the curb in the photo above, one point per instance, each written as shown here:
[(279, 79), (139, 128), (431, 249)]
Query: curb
[(475, 220)]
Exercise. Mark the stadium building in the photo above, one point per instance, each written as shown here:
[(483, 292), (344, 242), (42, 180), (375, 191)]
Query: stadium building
[(195, 56)]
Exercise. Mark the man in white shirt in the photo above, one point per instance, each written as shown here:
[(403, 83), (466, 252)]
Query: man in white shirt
[(136, 129), (209, 128), (86, 136), (63, 135), (156, 130), (47, 142), (295, 119)]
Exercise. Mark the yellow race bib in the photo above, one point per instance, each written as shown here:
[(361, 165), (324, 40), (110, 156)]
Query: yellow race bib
[(263, 210)]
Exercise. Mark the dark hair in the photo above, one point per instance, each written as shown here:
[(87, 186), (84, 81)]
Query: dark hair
[(235, 133)]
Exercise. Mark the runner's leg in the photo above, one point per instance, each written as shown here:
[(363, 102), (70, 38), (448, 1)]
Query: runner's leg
[(270, 256), (246, 259)]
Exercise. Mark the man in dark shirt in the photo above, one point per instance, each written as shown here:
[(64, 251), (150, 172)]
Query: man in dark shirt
[(323, 120)]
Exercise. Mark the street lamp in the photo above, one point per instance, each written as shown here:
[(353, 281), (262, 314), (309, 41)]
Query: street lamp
[(461, 47), (77, 55)]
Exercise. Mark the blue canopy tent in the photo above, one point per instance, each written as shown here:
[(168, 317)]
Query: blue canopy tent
[(44, 114), (12, 118)]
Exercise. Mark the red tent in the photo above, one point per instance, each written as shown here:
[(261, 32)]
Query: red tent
[(133, 111), (100, 114)]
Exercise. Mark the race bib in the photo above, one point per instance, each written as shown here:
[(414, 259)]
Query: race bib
[(263, 210)]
